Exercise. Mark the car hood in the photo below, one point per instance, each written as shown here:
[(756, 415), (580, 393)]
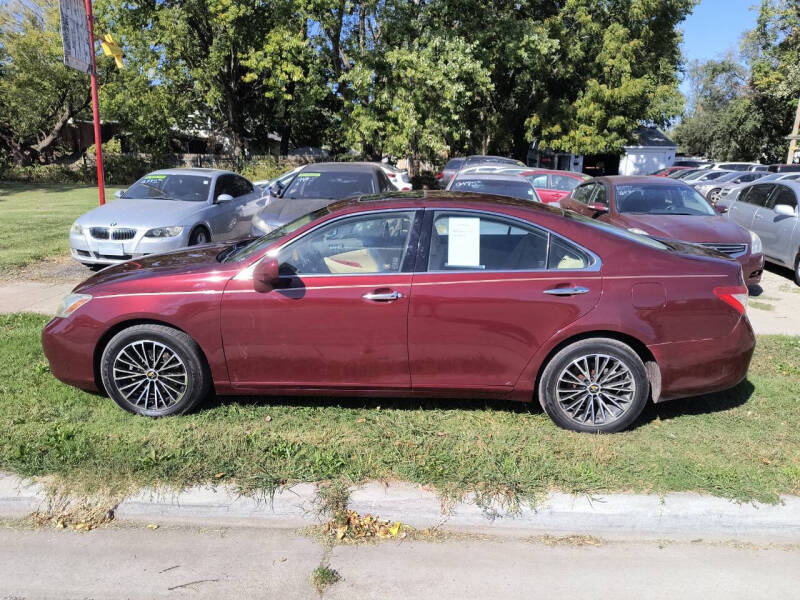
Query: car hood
[(189, 261), (280, 211), (126, 212), (687, 228)]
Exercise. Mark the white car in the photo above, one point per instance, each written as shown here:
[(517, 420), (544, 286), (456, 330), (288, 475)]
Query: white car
[(398, 177)]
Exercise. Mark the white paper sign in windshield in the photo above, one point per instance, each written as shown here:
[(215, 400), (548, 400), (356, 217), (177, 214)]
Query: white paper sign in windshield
[(464, 242), (75, 34)]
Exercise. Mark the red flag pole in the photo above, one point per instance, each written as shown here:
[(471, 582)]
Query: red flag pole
[(98, 138)]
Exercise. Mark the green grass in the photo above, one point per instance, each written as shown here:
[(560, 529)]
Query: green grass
[(36, 220), (761, 305), (742, 444)]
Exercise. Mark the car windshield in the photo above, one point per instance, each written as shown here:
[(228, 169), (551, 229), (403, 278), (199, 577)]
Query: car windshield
[(683, 173), (515, 189), (334, 185), (453, 164), (660, 200), (259, 244), (172, 186)]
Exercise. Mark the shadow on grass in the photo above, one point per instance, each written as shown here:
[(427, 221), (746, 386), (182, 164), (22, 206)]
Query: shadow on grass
[(696, 405)]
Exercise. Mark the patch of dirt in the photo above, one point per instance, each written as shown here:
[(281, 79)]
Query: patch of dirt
[(62, 269)]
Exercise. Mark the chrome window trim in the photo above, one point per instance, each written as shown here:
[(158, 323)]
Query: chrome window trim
[(594, 266)]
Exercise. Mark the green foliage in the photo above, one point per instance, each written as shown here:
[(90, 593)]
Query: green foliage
[(38, 94), (739, 113)]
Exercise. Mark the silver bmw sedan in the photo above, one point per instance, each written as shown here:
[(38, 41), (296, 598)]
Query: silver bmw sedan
[(163, 211)]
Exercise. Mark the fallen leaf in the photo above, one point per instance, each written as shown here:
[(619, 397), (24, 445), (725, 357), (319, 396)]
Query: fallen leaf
[(152, 526), (268, 419), (219, 475), (340, 531), (395, 528), (442, 433), (361, 420)]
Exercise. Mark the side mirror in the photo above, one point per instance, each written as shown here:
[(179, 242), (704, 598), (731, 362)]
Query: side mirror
[(785, 210), (276, 190), (265, 275), (119, 193), (598, 208), (224, 198)]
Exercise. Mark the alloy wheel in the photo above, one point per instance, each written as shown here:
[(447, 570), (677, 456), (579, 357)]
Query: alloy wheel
[(150, 375), (713, 196), (595, 389)]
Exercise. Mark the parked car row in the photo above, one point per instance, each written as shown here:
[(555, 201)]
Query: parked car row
[(176, 208)]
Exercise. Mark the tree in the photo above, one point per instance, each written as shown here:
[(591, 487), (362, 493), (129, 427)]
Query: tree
[(38, 94), (739, 112)]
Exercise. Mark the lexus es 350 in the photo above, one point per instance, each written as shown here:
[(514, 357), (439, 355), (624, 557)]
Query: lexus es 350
[(418, 294)]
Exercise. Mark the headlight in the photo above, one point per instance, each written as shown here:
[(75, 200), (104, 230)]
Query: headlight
[(637, 230), (755, 243), (76, 229), (162, 232), (71, 303)]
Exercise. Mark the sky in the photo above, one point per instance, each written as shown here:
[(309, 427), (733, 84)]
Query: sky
[(716, 26)]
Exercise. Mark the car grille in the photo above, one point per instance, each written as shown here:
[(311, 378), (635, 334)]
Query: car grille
[(729, 249), (123, 233), (103, 233)]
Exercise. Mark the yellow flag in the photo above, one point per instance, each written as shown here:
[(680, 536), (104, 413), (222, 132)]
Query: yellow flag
[(111, 48)]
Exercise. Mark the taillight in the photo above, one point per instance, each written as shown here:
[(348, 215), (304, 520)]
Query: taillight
[(439, 175), (391, 175), (735, 295)]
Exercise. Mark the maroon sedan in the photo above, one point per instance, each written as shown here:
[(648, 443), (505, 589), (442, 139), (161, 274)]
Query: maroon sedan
[(416, 294), (665, 208)]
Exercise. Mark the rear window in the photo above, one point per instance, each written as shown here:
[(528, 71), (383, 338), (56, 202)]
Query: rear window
[(515, 189), (563, 182), (660, 200), (453, 164), (332, 185)]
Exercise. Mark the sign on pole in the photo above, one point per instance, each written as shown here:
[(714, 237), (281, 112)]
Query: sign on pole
[(75, 33)]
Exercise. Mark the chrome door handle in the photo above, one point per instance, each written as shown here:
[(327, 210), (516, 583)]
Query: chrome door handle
[(384, 297), (571, 291)]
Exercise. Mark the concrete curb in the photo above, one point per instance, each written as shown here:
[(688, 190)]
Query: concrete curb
[(678, 514)]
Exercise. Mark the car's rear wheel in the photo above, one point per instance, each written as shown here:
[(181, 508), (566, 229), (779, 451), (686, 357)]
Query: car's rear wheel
[(199, 236), (155, 371), (596, 385)]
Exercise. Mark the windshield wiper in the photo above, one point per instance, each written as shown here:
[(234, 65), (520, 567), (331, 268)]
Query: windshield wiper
[(157, 190)]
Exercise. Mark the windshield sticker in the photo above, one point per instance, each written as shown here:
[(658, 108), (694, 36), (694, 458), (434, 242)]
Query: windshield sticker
[(309, 174), (153, 177)]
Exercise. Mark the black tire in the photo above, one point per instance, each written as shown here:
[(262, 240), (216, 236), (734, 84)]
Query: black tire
[(180, 361), (713, 196), (631, 387), (199, 236), (95, 267), (797, 269)]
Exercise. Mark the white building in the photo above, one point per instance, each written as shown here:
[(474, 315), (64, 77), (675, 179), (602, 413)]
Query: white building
[(653, 151)]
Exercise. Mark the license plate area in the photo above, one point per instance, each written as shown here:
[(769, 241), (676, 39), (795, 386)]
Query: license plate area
[(110, 249)]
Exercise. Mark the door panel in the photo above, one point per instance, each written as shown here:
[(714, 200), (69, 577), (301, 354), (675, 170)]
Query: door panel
[(478, 327), (319, 332), (776, 230), (338, 314)]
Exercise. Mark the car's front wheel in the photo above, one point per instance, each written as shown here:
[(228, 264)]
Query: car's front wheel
[(596, 385), (797, 269), (154, 370), (714, 195)]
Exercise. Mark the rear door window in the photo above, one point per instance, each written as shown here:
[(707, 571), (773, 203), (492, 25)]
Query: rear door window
[(470, 241), (759, 194), (563, 182)]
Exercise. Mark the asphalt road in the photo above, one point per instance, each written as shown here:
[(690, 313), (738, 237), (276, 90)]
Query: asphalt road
[(177, 562)]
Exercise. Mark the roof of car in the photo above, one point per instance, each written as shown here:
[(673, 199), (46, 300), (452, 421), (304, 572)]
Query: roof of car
[(342, 166), (439, 197), (641, 179), (192, 171), (532, 170), (491, 176)]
